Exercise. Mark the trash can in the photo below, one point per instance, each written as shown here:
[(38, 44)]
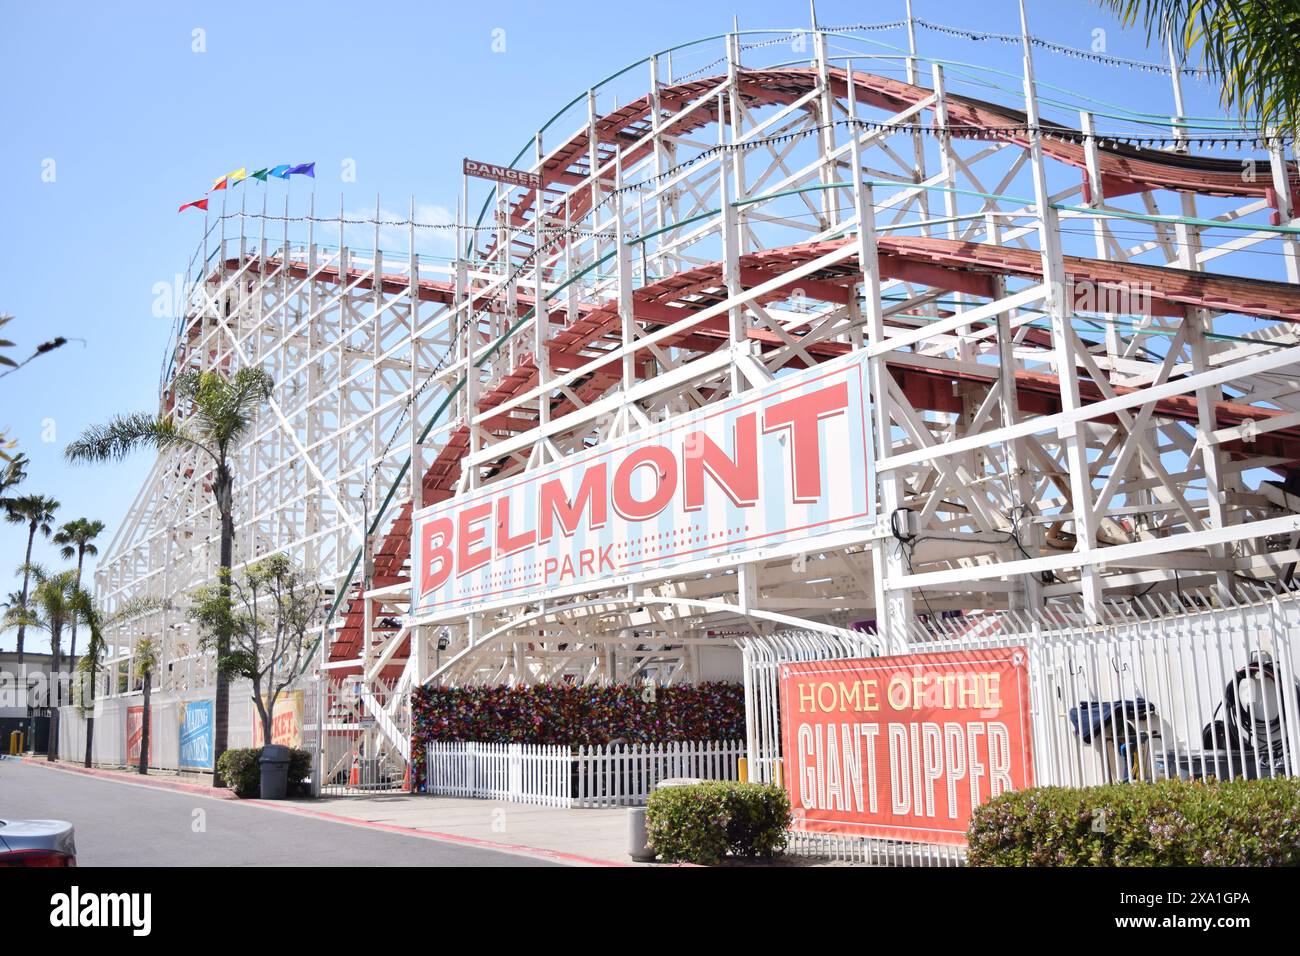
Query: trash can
[(275, 772), (638, 844)]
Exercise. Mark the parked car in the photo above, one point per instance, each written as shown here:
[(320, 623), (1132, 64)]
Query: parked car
[(37, 843)]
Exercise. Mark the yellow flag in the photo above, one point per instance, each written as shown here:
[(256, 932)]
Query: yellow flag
[(237, 175)]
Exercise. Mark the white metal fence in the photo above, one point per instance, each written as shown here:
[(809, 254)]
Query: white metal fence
[(1208, 693), (358, 735), (611, 775)]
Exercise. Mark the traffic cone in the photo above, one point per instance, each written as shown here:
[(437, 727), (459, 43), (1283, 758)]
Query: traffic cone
[(406, 780)]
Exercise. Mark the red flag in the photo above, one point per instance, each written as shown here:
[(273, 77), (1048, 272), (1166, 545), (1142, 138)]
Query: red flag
[(197, 204)]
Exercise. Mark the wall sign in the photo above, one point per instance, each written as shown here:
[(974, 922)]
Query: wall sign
[(780, 469), (135, 735), (196, 734), (502, 174), (904, 747)]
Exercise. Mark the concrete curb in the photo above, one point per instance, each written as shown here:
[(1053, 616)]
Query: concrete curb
[(126, 776)]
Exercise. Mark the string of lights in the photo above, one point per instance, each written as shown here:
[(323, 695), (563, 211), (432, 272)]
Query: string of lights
[(979, 36), (1093, 56)]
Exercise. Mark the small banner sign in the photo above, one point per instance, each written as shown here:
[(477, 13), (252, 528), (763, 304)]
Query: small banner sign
[(196, 735), (777, 470), (503, 174), (286, 720), (904, 747), (135, 735)]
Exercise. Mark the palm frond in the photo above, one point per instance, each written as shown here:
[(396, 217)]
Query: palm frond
[(119, 437), (1250, 44), (32, 509)]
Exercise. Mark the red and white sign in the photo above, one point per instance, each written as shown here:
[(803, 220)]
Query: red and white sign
[(502, 174), (776, 470), (135, 736), (904, 747)]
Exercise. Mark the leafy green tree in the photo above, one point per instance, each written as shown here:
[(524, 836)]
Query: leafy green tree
[(1250, 44), (37, 512), (75, 539), (223, 411), (265, 623)]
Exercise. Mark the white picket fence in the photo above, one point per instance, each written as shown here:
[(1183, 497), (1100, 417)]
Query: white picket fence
[(610, 775)]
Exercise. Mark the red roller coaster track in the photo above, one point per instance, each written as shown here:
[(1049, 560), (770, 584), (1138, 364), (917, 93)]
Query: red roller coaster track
[(964, 267)]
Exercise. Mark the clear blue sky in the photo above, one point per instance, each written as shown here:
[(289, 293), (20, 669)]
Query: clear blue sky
[(136, 123)]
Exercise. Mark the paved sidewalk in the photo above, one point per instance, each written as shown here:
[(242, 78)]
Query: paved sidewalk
[(599, 834)]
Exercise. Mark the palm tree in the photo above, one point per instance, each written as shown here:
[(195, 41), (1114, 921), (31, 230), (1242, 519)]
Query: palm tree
[(12, 474), (146, 662), (13, 608), (54, 608), (89, 666), (96, 647), (1249, 44), (75, 538), (15, 613), (222, 412), (37, 511)]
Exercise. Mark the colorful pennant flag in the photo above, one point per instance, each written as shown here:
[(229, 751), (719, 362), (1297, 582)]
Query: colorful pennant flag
[(197, 204), (235, 177)]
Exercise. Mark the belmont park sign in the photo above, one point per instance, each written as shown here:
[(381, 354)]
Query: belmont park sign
[(781, 469)]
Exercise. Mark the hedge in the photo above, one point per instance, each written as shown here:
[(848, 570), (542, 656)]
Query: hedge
[(574, 715), (702, 823), (1169, 823), (243, 774)]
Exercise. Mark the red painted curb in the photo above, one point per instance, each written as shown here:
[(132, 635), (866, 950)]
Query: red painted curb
[(517, 848), (125, 776)]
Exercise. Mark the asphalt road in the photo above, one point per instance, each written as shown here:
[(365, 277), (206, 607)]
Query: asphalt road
[(121, 824)]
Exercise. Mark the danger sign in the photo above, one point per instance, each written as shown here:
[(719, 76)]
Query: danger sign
[(778, 469), (904, 747), (502, 174)]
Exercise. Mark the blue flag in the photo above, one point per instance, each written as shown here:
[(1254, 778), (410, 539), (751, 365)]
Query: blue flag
[(281, 172), (303, 169)]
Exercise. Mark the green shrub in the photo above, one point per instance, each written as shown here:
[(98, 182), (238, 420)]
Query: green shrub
[(1170, 823), (243, 774), (299, 772), (238, 767), (701, 823)]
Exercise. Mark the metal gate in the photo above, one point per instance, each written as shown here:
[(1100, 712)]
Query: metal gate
[(360, 736)]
